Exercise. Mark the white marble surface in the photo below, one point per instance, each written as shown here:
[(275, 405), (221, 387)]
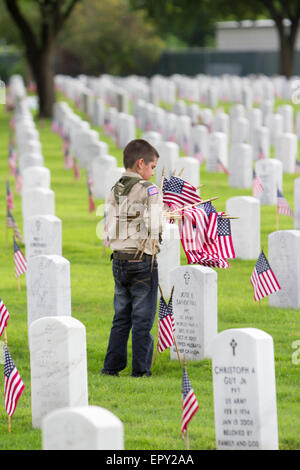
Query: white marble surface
[(82, 428), (244, 390), (36, 176), (101, 168), (297, 203), (270, 173), (58, 363), (240, 166), (169, 256), (195, 311), (284, 259), (48, 287), (43, 235), (38, 201), (245, 230)]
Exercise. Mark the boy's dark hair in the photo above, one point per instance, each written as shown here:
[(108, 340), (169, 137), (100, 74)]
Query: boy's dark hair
[(136, 149)]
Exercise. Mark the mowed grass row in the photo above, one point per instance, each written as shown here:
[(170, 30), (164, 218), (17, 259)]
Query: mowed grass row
[(150, 408)]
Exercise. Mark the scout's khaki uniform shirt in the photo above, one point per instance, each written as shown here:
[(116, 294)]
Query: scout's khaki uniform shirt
[(134, 214)]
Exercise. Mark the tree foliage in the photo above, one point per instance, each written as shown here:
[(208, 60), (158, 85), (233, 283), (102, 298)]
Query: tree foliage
[(110, 38)]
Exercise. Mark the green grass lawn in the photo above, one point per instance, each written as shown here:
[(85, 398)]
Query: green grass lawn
[(150, 408)]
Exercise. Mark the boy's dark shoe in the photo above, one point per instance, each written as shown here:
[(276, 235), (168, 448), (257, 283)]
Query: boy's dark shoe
[(109, 372), (145, 374)]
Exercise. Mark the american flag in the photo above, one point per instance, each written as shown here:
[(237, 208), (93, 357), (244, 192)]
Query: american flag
[(222, 167), (189, 402), (179, 192), (198, 154), (92, 205), (13, 384), (212, 228), (263, 279), (12, 159), (76, 170), (225, 245), (4, 316), (197, 247), (19, 181), (166, 325), (11, 223), (261, 154), (282, 205), (257, 185), (9, 197), (186, 145), (20, 261), (297, 167)]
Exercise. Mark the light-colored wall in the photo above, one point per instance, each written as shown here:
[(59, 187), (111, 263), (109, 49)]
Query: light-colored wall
[(252, 36)]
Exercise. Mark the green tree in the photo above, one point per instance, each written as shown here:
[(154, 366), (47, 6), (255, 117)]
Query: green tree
[(108, 37), (39, 23), (190, 16)]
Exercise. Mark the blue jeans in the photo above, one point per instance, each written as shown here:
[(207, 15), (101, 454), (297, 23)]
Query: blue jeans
[(135, 303)]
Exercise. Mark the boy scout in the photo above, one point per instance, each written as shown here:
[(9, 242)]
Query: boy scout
[(134, 212)]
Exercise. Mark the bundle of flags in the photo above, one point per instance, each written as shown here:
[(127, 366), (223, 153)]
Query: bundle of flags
[(205, 233), (263, 279)]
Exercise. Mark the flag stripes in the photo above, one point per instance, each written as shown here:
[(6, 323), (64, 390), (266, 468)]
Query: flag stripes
[(4, 316), (13, 384), (263, 279), (189, 402)]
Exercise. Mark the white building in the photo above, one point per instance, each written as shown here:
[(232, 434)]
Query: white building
[(259, 35)]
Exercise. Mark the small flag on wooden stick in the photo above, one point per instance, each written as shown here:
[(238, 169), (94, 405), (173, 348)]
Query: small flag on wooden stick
[(263, 279), (189, 404), (20, 261), (4, 316), (13, 384)]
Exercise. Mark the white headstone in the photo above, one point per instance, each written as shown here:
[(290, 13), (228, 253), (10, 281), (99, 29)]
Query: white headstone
[(240, 130), (58, 366), (261, 143), (199, 142), (269, 171), (284, 259), (48, 287), (244, 390), (43, 235), (101, 167), (297, 203), (189, 169), (240, 166), (82, 428), (217, 150), (38, 201), (168, 156), (287, 113), (36, 176), (245, 230), (288, 151), (169, 256), (31, 159), (195, 311)]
